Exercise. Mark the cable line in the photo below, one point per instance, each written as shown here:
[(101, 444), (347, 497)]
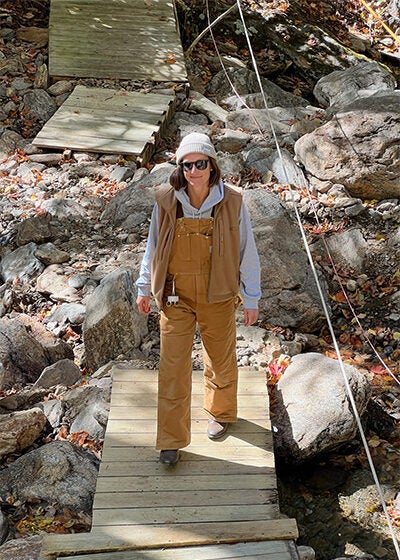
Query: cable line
[(315, 274)]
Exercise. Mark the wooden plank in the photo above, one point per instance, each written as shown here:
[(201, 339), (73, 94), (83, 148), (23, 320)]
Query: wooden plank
[(144, 387), (157, 536), (191, 468), (269, 550), (129, 426), (191, 454), (132, 399), (148, 439), (164, 483), (125, 372), (102, 145), (119, 98), (198, 413), (99, 134), (168, 515), (128, 375), (113, 500)]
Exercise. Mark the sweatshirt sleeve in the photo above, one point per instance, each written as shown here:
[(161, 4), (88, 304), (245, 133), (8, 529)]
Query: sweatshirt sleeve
[(143, 283), (250, 272)]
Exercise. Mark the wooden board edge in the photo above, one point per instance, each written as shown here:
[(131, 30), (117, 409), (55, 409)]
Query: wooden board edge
[(160, 536)]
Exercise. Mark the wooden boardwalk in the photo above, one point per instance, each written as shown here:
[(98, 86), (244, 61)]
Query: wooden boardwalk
[(121, 39), (109, 121), (219, 502)]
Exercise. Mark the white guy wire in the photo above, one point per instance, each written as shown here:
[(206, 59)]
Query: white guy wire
[(319, 288)]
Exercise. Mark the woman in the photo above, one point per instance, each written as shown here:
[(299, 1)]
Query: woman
[(200, 256)]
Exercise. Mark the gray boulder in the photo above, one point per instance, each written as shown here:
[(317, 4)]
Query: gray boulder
[(21, 264), (112, 325), (64, 372), (312, 413), (26, 348), (342, 87), (57, 473), (245, 81), (354, 151), (136, 199), (22, 549), (36, 229), (86, 410), (40, 104), (289, 294), (19, 430)]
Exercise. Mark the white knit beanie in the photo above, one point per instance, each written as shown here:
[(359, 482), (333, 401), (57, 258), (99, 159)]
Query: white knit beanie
[(195, 142)]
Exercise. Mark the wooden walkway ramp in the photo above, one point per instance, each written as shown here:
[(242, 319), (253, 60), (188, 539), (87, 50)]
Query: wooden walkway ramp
[(219, 502), (121, 39), (109, 121)]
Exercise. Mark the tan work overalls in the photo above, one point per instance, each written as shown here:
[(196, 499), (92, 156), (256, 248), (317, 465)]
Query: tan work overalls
[(189, 268)]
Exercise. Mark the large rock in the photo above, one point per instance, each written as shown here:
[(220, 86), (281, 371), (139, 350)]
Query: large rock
[(133, 205), (353, 150), (87, 410), (312, 413), (22, 549), (21, 265), (112, 325), (57, 473), (289, 294), (40, 104), (19, 430), (26, 348), (345, 86), (64, 372), (245, 81)]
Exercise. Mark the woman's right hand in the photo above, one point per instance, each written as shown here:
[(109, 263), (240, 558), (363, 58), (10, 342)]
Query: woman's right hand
[(143, 303)]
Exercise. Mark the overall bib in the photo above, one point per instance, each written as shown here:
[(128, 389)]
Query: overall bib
[(189, 269)]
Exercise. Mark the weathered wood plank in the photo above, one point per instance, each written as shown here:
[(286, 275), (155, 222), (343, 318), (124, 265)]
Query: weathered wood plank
[(132, 399), (129, 426), (113, 500), (244, 387), (200, 514), (128, 374), (122, 372), (146, 412), (183, 483), (190, 468), (268, 550), (211, 451), (97, 133), (148, 439), (157, 536), (93, 97)]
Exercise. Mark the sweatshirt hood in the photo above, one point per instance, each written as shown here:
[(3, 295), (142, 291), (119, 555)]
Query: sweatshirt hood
[(215, 196)]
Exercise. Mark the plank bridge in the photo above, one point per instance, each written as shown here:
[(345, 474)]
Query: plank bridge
[(219, 502)]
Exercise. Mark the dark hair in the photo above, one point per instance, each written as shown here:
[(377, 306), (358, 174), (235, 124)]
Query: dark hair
[(178, 181)]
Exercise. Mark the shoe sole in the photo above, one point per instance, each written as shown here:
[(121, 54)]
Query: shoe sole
[(169, 463), (217, 436)]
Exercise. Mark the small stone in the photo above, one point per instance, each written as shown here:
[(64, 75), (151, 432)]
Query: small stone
[(41, 77), (351, 285), (60, 87)]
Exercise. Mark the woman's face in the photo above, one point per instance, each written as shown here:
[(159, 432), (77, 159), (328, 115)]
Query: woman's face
[(196, 177)]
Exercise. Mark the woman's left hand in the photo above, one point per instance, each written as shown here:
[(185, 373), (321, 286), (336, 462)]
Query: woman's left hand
[(250, 316)]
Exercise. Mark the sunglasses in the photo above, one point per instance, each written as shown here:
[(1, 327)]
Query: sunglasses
[(200, 164)]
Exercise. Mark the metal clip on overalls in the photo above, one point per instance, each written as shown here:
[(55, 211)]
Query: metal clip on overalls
[(173, 298)]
